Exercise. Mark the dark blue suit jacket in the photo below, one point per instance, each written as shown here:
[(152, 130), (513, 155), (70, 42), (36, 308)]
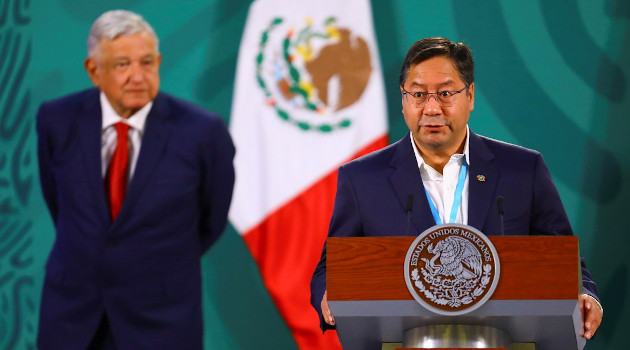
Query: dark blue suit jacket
[(143, 270), (372, 194)]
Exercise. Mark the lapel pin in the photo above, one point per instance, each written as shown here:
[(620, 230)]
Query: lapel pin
[(481, 178)]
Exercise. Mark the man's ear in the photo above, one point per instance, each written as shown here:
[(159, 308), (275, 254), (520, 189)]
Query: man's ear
[(93, 71), (471, 95)]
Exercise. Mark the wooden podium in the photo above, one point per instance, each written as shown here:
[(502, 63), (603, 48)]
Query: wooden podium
[(535, 300)]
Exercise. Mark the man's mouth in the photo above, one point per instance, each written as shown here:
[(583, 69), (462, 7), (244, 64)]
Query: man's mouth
[(432, 124)]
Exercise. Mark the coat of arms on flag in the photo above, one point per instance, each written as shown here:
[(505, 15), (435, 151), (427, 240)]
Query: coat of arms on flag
[(316, 70)]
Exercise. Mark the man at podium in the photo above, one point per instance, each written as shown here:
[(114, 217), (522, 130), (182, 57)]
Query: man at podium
[(442, 172)]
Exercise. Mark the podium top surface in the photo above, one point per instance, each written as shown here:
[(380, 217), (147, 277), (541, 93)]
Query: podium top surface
[(532, 268)]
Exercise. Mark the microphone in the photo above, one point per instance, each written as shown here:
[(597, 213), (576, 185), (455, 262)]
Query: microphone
[(409, 209), (501, 212)]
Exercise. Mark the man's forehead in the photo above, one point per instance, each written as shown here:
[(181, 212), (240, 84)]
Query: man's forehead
[(436, 66), (440, 72), (124, 38), (439, 81), (130, 44)]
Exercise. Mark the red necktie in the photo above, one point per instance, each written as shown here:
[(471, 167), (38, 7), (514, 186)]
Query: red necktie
[(116, 178)]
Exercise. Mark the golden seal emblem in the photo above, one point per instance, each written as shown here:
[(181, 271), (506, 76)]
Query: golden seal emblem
[(451, 269)]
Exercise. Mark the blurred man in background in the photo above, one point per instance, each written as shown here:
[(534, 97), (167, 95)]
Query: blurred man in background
[(138, 184)]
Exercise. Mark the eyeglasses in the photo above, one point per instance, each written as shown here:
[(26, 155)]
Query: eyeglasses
[(420, 98)]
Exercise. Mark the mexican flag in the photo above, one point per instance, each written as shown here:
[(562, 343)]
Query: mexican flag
[(308, 97)]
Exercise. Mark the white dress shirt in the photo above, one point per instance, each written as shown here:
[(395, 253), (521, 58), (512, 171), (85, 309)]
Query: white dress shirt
[(441, 187), (109, 138)]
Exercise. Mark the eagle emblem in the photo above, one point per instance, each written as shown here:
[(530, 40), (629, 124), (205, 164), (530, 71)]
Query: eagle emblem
[(457, 258), (451, 269)]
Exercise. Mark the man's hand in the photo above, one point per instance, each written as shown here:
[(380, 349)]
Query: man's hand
[(328, 316), (592, 315)]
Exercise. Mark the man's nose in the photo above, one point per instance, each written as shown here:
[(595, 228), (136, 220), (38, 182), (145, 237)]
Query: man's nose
[(135, 72), (432, 106)]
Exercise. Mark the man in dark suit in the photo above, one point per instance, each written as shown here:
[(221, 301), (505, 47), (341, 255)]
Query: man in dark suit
[(138, 184), (451, 174)]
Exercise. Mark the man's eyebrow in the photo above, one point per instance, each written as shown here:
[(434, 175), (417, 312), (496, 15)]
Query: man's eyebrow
[(126, 58), (448, 82)]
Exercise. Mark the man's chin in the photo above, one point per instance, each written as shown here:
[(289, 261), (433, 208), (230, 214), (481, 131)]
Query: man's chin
[(130, 108), (435, 137), (137, 104), (434, 142)]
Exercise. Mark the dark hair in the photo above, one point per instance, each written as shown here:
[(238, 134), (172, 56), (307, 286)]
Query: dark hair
[(425, 49)]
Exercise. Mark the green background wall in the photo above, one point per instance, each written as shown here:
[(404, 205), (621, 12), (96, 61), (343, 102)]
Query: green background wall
[(551, 75)]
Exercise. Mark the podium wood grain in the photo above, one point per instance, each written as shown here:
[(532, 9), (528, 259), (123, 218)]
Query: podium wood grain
[(532, 267)]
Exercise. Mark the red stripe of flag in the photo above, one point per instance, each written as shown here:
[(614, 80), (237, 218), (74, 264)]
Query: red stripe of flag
[(287, 246)]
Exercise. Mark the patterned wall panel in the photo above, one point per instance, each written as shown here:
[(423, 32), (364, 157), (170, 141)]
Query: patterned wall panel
[(17, 178)]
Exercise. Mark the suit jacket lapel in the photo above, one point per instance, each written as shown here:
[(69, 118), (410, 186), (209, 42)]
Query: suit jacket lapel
[(406, 180), (89, 123), (483, 177), (154, 140)]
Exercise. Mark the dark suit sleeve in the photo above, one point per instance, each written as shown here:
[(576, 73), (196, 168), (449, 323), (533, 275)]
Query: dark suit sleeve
[(217, 182), (345, 222), (550, 218), (44, 153)]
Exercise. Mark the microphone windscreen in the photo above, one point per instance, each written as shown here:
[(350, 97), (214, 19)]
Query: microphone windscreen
[(500, 205)]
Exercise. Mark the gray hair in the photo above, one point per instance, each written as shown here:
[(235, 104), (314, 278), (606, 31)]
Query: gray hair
[(115, 23)]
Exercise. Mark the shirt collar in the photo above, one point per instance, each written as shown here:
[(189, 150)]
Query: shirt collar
[(110, 117), (420, 160)]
